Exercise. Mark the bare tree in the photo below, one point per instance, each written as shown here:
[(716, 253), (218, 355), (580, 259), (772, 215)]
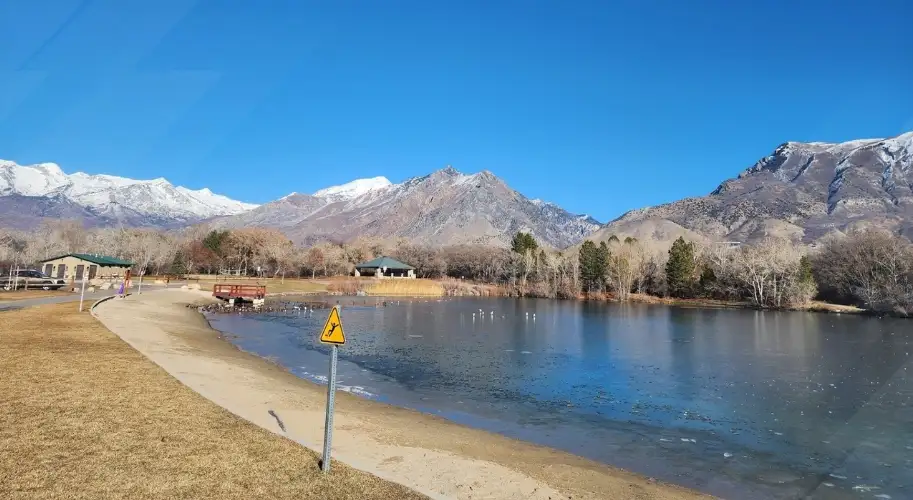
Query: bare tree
[(626, 265), (872, 268), (279, 250), (315, 260), (144, 247), (771, 273)]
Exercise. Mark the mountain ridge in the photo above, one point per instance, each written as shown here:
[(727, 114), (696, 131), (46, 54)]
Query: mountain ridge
[(443, 207), (105, 197), (801, 191)]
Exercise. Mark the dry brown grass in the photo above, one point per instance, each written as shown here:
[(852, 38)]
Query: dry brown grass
[(461, 288), (83, 415), (348, 286), (405, 288), (818, 306), (387, 287), (8, 295), (813, 306), (672, 301)]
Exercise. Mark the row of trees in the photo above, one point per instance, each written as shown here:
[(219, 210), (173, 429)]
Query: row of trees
[(773, 273), (872, 268)]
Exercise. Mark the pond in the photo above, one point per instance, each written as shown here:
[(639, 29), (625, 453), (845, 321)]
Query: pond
[(738, 403)]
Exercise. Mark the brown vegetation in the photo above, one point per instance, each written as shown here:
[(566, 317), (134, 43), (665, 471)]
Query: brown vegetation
[(7, 295), (405, 287), (869, 269), (86, 416)]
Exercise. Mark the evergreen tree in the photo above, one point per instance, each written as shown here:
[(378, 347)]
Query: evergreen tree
[(214, 240), (593, 261), (680, 268), (177, 264), (523, 242), (602, 262), (805, 271), (707, 283), (587, 263)]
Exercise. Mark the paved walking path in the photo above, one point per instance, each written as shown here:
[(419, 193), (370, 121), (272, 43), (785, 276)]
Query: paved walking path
[(74, 297)]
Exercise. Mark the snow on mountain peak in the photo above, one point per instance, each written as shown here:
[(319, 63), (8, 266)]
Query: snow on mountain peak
[(353, 189), (157, 197)]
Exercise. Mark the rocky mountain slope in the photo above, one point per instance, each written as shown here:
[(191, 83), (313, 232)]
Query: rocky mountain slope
[(800, 191), (31, 193), (445, 207)]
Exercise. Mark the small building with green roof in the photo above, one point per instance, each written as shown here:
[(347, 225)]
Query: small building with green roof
[(73, 265), (385, 267)]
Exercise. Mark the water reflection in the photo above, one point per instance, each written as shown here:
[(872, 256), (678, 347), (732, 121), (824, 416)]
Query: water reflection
[(746, 404)]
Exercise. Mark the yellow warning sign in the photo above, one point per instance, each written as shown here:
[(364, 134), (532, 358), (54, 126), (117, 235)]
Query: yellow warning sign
[(332, 331)]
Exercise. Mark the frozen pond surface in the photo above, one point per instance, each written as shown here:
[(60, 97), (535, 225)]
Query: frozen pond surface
[(742, 404)]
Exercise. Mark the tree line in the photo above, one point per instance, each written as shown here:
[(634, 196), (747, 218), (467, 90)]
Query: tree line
[(869, 268)]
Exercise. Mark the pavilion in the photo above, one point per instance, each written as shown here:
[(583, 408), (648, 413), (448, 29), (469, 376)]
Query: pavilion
[(385, 267)]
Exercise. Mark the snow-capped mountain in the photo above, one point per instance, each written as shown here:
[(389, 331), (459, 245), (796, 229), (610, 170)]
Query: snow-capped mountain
[(801, 191), (445, 207), (109, 196), (353, 189)]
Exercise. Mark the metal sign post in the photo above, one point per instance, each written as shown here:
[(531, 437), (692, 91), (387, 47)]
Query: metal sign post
[(331, 400), (332, 333), (82, 292)]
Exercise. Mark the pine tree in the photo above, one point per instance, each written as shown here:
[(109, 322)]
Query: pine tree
[(587, 263), (214, 241), (680, 268), (523, 242), (805, 271), (707, 282), (602, 263)]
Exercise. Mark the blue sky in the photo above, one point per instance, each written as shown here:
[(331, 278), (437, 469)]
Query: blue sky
[(599, 106)]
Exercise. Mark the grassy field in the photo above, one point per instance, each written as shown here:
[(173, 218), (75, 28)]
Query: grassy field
[(7, 295), (83, 415)]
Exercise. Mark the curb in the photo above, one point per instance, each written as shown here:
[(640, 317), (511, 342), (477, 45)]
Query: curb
[(99, 301)]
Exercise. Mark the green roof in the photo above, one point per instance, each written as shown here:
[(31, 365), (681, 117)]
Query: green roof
[(101, 260), (384, 262)]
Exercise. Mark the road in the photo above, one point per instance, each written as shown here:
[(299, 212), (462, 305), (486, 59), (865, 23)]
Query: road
[(89, 297)]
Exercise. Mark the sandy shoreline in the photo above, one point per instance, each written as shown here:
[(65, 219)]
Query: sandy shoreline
[(429, 454)]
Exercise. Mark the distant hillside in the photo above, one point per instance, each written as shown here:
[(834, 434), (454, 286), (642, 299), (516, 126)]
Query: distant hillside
[(445, 207), (801, 191), (660, 231)]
